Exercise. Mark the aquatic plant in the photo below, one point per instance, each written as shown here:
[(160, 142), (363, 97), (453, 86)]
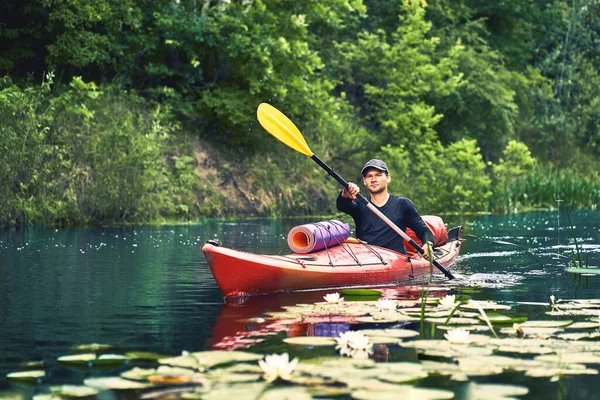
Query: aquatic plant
[(579, 262), (277, 366), (333, 298), (386, 304), (448, 302), (458, 336), (552, 348), (554, 303), (354, 344), (519, 330)]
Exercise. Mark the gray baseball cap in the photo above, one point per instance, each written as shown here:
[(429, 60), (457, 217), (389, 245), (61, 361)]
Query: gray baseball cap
[(377, 164)]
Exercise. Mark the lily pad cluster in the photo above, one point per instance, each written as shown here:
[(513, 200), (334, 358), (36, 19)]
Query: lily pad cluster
[(468, 342)]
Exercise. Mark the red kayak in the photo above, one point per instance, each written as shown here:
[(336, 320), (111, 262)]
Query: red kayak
[(352, 263)]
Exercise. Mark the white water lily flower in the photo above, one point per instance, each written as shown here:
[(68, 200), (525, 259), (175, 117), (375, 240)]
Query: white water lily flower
[(519, 330), (333, 298), (354, 344), (553, 303), (278, 366), (360, 354), (386, 304), (458, 336), (448, 302)]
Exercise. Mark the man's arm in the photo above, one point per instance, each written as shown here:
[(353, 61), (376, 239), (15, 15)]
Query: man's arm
[(343, 204), (345, 200), (416, 223)]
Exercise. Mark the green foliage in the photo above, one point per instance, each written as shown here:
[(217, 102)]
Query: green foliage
[(36, 160), (515, 164), (390, 92), (433, 87), (440, 179), (545, 184), (80, 155), (467, 186)]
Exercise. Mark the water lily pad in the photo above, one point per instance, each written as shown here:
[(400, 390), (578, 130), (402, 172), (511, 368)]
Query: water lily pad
[(144, 355), (233, 377), (168, 370), (12, 395), (169, 379), (334, 363), (584, 301), (243, 368), (546, 324), (584, 325), (110, 359), (208, 359), (490, 363), (385, 317), (570, 358), (323, 391), (404, 377), (426, 311), (73, 391), (78, 359), (115, 383), (183, 361), (403, 392), (288, 393), (92, 348), (523, 348), (473, 328), (383, 340), (499, 319), (311, 340), (360, 292), (38, 364), (138, 374), (484, 305), (445, 349), (395, 333), (453, 321), (581, 312), (26, 376), (584, 271), (533, 331), (495, 391), (572, 369), (39, 396), (579, 336), (533, 303), (241, 391)]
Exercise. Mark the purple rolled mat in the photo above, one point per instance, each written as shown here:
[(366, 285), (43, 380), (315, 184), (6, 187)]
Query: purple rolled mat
[(316, 236)]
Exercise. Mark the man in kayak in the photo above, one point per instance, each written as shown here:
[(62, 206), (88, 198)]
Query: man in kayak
[(369, 227)]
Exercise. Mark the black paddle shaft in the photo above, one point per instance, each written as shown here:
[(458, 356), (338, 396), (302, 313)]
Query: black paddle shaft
[(366, 202)]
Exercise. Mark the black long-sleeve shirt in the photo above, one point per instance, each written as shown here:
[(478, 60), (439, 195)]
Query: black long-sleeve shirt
[(370, 228)]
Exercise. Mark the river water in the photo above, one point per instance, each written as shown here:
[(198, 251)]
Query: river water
[(149, 288)]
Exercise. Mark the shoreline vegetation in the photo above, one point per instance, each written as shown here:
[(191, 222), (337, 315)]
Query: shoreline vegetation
[(130, 113)]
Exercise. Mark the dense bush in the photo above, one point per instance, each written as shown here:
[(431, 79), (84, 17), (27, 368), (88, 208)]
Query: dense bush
[(468, 101), (78, 155)]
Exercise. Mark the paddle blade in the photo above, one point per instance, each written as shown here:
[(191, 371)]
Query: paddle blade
[(280, 126)]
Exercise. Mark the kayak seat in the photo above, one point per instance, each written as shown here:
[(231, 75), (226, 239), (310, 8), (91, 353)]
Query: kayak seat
[(455, 233)]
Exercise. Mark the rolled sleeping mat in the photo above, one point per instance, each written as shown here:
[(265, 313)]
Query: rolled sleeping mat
[(317, 236)]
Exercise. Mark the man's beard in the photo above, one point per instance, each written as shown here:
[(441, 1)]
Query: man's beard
[(379, 190)]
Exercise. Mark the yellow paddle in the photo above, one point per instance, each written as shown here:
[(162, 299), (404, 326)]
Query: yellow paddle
[(280, 126)]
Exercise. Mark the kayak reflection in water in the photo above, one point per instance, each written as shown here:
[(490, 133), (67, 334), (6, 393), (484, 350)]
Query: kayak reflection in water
[(247, 321)]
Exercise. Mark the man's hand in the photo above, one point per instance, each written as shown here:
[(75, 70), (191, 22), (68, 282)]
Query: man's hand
[(351, 192), (427, 249)]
